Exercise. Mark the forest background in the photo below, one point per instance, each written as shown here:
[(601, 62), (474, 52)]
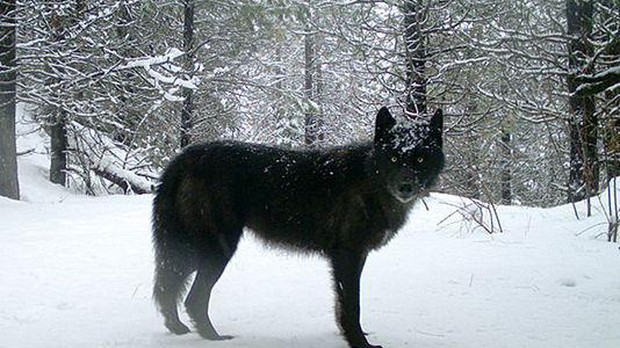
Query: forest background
[(530, 89)]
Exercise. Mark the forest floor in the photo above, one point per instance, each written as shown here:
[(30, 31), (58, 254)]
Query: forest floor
[(76, 271)]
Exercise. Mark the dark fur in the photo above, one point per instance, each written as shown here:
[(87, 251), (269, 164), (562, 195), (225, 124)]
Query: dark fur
[(341, 203)]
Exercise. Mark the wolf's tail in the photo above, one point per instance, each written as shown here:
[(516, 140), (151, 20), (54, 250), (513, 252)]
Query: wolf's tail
[(174, 257)]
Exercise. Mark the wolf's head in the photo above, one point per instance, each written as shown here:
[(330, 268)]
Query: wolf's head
[(408, 155)]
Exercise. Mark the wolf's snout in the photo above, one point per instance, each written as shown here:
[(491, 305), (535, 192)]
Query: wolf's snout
[(405, 189)]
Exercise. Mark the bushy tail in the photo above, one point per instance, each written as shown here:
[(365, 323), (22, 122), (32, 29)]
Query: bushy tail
[(174, 259)]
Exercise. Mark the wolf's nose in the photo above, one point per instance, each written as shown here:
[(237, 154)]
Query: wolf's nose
[(405, 189)]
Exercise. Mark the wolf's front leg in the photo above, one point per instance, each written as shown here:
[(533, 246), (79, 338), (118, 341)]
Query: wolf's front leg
[(347, 268)]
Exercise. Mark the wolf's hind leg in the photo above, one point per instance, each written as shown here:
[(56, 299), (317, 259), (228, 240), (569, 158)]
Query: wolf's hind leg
[(213, 261)]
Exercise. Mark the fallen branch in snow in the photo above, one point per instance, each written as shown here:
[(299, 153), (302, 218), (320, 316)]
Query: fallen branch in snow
[(128, 186), (107, 160)]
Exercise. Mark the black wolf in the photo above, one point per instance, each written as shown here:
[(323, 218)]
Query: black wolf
[(341, 203)]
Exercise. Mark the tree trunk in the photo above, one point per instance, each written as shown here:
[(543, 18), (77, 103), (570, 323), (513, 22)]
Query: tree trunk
[(58, 148), (312, 134), (188, 93), (415, 54), (506, 172), (59, 23), (611, 140), (126, 108), (9, 186), (583, 123)]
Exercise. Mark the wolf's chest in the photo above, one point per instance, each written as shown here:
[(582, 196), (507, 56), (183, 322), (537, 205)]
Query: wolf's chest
[(382, 220), (386, 237)]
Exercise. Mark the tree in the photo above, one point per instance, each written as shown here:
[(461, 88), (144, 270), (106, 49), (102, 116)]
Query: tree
[(606, 81), (415, 17), (188, 93), (313, 134), (9, 186), (583, 122), (505, 166), (61, 19)]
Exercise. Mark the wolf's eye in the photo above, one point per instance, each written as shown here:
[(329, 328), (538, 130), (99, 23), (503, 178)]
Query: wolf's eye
[(394, 159), (420, 159)]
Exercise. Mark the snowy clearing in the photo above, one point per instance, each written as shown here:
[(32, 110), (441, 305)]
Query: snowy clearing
[(76, 272)]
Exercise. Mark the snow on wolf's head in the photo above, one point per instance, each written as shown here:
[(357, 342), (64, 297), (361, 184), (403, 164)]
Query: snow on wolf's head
[(408, 154)]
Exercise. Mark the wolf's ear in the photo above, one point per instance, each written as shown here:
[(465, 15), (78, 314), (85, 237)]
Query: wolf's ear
[(384, 123), (436, 126)]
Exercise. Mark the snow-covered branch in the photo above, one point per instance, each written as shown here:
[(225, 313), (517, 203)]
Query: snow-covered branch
[(608, 80)]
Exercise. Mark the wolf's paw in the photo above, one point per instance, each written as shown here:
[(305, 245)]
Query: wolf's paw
[(222, 338), (215, 337), (177, 327), (365, 345), (211, 335)]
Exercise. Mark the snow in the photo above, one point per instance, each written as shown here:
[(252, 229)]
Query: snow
[(76, 271)]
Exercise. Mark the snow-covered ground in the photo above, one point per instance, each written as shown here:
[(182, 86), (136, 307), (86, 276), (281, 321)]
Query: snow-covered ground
[(76, 271)]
